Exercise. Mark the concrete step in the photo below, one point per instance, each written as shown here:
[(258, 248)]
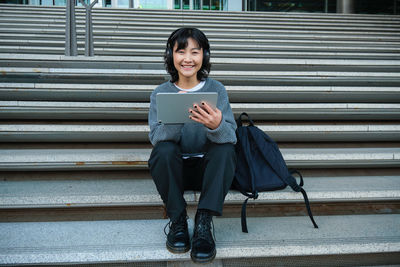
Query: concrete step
[(128, 14), (218, 53), (215, 17), (83, 192), (131, 93), (104, 15), (115, 45), (49, 10), (229, 77), (214, 40), (230, 26), (144, 240), (211, 34), (54, 61), (38, 110), (87, 158), (206, 24), (24, 41), (138, 132), (63, 63)]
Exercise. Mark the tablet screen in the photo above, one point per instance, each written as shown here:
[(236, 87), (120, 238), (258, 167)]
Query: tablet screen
[(173, 108)]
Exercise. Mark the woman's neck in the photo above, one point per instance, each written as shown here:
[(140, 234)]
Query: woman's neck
[(187, 83)]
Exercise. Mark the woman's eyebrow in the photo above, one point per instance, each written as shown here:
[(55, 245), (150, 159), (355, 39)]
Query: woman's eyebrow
[(195, 48)]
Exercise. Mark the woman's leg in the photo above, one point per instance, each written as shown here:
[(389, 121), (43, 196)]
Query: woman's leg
[(219, 165), (219, 168), (166, 169)]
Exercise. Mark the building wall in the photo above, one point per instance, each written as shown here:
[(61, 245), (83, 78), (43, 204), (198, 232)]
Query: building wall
[(331, 6)]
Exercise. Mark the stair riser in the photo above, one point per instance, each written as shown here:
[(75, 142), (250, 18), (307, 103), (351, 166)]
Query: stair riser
[(76, 213), (289, 114), (19, 93)]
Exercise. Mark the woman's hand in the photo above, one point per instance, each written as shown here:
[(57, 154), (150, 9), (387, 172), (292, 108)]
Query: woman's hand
[(206, 115)]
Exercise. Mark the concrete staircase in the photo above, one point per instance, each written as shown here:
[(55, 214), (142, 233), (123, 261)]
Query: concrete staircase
[(75, 187)]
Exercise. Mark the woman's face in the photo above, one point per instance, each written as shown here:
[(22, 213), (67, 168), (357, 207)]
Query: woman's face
[(188, 61)]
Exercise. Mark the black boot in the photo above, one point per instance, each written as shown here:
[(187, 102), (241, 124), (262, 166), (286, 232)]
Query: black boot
[(178, 240), (203, 245)]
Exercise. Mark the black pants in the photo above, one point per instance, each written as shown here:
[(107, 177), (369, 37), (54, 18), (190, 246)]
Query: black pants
[(211, 174)]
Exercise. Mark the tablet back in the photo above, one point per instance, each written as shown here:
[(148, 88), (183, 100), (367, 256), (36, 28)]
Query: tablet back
[(173, 108)]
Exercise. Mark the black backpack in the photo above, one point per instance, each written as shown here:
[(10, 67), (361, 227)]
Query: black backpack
[(261, 167)]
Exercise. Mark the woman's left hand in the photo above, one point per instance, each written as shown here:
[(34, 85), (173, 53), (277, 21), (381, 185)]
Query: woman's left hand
[(206, 115)]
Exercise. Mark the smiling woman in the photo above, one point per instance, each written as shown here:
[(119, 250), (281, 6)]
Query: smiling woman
[(198, 155)]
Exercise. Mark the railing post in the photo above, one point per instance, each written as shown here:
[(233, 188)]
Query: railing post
[(70, 29), (345, 6), (326, 6), (89, 49)]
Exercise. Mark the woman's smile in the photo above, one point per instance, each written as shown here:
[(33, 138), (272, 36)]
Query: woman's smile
[(187, 67)]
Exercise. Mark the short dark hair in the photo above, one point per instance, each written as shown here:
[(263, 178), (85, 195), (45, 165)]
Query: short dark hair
[(180, 37)]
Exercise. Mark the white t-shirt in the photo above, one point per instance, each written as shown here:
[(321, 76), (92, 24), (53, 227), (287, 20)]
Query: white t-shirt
[(196, 88)]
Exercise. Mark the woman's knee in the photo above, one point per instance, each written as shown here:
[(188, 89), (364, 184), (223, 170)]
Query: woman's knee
[(221, 151), (166, 148), (164, 151)]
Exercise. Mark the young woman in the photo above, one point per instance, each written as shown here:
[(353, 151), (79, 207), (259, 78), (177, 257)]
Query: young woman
[(193, 156)]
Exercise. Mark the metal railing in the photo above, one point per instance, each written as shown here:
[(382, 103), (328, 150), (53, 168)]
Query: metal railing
[(70, 29), (89, 47)]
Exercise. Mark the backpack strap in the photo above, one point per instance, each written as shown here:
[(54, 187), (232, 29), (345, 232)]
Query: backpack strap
[(244, 205), (246, 148), (308, 207), (293, 171), (239, 120), (253, 195), (243, 217), (303, 192)]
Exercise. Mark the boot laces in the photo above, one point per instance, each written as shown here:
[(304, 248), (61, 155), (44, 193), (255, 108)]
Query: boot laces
[(177, 226), (203, 229)]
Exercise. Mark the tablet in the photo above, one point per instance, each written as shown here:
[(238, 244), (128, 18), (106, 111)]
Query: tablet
[(173, 108)]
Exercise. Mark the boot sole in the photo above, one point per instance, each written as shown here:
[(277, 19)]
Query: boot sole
[(177, 250), (202, 260)]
